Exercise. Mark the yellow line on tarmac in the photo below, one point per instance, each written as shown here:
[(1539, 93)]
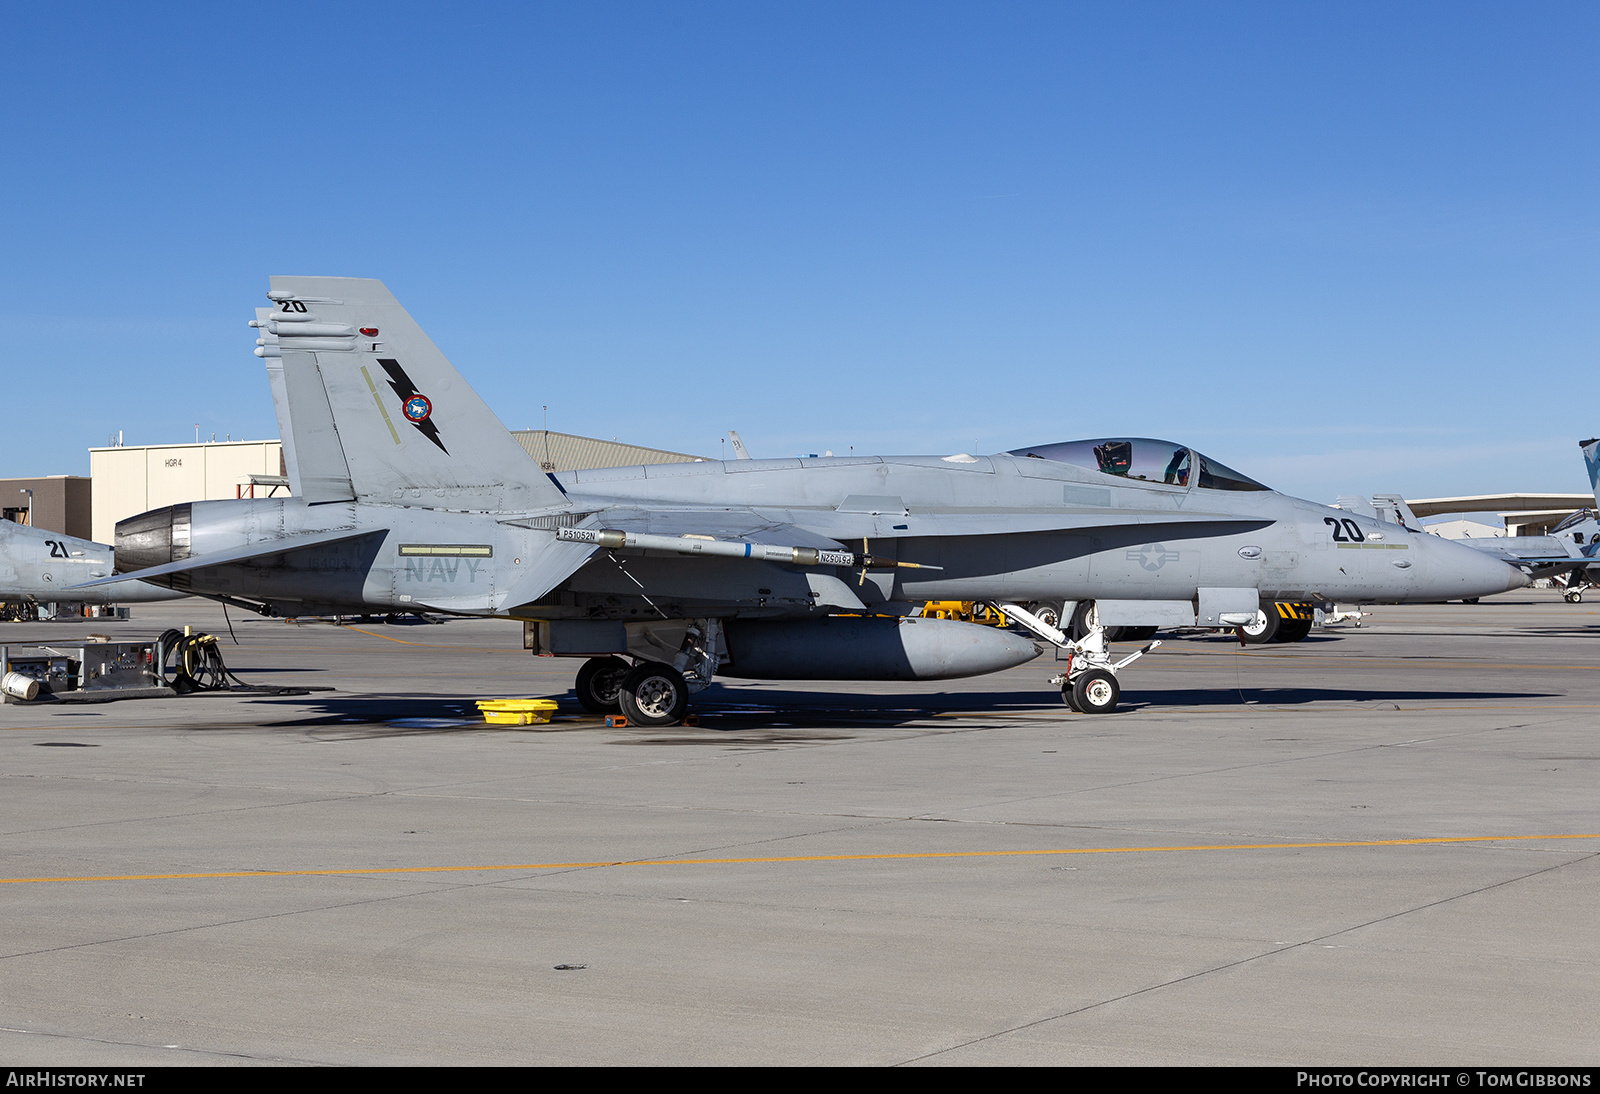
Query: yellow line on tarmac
[(429, 645), (353, 872), (1322, 706), (1291, 656)]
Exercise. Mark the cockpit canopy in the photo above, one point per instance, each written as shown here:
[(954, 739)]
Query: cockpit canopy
[(1144, 459), (1572, 520)]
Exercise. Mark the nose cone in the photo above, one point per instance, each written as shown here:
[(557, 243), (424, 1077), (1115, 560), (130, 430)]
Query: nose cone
[(1454, 571)]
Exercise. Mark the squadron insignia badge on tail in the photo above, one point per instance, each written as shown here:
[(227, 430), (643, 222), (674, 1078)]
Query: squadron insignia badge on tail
[(418, 408)]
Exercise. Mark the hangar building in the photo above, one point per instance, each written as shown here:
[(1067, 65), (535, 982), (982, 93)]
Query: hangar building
[(130, 479), (60, 503)]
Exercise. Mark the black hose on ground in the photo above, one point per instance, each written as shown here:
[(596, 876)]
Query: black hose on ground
[(197, 665)]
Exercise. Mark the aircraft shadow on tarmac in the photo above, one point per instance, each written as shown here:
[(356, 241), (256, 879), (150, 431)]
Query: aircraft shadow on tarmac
[(1571, 630), (722, 710), (719, 709), (1353, 698)]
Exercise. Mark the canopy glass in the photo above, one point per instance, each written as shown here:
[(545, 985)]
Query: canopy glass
[(1145, 459)]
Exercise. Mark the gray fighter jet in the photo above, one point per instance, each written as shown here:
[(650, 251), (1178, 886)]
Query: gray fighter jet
[(37, 566), (411, 495), (1572, 547)]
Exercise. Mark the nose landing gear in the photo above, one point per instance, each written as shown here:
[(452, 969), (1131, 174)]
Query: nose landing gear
[(1090, 685)]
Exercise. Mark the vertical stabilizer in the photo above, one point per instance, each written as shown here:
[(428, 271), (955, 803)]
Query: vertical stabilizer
[(305, 419), (1591, 463), (372, 403), (280, 400), (319, 452)]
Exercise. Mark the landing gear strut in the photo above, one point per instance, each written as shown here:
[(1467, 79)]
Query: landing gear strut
[(1089, 686)]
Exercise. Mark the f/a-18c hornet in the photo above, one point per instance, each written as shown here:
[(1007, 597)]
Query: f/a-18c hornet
[(411, 495), (38, 566), (1572, 547), (1570, 551)]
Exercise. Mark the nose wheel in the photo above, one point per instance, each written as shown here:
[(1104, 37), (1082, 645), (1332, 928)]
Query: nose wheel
[(1093, 692), (1089, 686)]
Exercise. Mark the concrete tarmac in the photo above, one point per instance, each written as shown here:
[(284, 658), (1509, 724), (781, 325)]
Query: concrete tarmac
[(1376, 846)]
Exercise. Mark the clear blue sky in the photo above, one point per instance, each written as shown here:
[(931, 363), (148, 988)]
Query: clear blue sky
[(1343, 248)]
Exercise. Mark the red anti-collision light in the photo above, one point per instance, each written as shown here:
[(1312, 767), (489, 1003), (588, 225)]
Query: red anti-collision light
[(369, 331)]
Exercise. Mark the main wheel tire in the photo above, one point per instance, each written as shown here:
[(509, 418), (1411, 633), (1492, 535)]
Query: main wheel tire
[(1293, 630), (1066, 697), (1096, 692), (654, 695), (1048, 615), (599, 683), (1078, 627), (1262, 631)]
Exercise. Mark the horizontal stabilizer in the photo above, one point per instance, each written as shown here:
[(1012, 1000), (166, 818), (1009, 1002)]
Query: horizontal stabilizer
[(1548, 567), (250, 551)]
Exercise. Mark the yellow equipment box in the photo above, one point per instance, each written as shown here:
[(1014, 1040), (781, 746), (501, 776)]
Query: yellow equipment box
[(516, 712)]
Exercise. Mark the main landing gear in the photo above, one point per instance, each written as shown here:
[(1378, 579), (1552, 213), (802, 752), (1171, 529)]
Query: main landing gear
[(648, 694), (1281, 622), (653, 693), (1078, 627), (599, 684)]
